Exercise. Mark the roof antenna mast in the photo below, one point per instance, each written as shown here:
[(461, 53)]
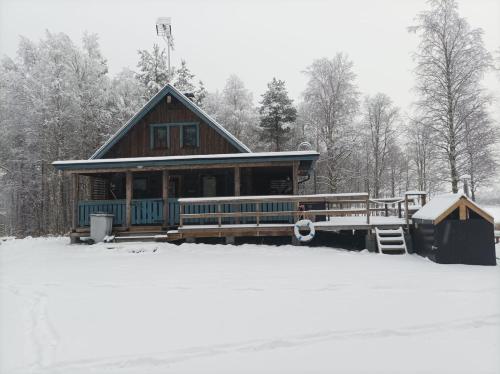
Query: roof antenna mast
[(164, 30)]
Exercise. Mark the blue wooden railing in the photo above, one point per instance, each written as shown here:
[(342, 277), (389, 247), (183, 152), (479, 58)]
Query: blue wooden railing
[(243, 207), (115, 207), (146, 212), (142, 211), (150, 211)]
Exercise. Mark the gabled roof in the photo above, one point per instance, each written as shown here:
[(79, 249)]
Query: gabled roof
[(443, 205), (169, 89)]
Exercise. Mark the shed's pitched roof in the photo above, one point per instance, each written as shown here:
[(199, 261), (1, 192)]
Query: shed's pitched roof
[(169, 89), (442, 205)]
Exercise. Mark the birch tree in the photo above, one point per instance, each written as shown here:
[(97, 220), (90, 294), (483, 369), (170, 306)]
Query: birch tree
[(331, 100), (479, 162), (379, 119), (451, 61), (235, 110), (422, 154)]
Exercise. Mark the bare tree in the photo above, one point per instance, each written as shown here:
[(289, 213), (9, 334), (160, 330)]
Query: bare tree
[(451, 61), (422, 154), (379, 119), (479, 164)]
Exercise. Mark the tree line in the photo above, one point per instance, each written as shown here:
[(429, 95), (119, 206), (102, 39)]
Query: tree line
[(58, 101)]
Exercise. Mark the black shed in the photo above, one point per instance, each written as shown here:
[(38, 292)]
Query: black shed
[(452, 229)]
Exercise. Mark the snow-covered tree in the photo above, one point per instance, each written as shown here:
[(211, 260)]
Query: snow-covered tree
[(277, 113), (379, 121), (331, 103), (153, 70), (451, 61), (421, 152), (56, 102), (239, 114), (234, 109), (184, 79), (200, 94), (479, 164), (127, 95)]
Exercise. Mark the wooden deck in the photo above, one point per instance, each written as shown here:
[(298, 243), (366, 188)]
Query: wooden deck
[(267, 216)]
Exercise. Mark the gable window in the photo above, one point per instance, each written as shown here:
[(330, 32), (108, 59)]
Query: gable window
[(159, 137), (189, 137), (186, 133)]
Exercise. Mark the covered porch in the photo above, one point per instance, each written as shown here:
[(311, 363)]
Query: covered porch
[(143, 192)]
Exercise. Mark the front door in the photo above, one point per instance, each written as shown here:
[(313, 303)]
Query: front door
[(209, 183)]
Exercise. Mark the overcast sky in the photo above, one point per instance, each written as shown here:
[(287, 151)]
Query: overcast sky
[(256, 39)]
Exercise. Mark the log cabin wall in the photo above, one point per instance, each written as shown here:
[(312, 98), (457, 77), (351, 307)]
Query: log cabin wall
[(136, 143)]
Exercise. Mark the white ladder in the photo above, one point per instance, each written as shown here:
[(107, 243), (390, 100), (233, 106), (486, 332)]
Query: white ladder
[(391, 240)]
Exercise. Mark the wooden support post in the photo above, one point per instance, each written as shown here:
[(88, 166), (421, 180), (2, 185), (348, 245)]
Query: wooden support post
[(424, 199), (219, 218), (75, 192), (165, 180), (295, 182), (128, 194), (368, 209), (407, 214), (237, 189), (181, 214), (295, 178), (400, 215), (237, 183), (386, 210)]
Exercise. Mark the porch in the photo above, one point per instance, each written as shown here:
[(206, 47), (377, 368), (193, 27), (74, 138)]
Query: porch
[(144, 193)]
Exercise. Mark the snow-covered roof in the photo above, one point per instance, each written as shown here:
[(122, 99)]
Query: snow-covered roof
[(187, 159), (434, 208), (438, 205), (169, 89)]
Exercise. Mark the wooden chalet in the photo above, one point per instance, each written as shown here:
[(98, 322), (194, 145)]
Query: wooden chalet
[(171, 149)]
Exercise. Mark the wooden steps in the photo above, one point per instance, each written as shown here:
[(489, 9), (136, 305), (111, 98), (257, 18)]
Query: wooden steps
[(391, 241)]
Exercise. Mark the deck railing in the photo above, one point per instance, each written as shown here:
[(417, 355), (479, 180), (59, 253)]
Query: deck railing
[(88, 207), (261, 209), (142, 211), (241, 209)]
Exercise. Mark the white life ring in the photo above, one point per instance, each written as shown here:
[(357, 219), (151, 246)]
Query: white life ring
[(299, 225)]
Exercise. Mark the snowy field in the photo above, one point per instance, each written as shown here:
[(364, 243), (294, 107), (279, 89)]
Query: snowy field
[(160, 308)]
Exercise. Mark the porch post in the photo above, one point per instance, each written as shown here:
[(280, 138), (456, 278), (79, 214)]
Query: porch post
[(128, 191), (237, 190), (165, 198), (295, 177), (75, 192), (237, 183)]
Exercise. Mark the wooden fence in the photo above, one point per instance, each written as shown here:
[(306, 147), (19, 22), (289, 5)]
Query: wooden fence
[(256, 209)]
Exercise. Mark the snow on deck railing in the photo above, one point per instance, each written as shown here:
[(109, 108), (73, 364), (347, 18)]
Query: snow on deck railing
[(242, 209), (262, 209), (317, 197)]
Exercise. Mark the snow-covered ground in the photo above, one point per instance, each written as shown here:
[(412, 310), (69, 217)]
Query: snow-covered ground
[(160, 308)]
